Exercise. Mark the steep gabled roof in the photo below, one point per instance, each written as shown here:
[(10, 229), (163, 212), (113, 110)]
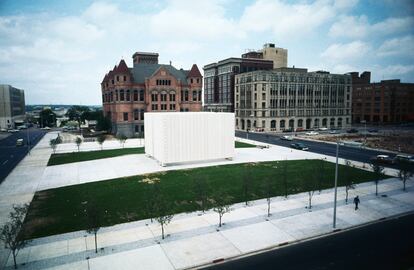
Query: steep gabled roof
[(122, 67), (105, 78), (194, 72)]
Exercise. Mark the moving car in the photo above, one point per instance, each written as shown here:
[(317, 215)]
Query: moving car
[(352, 130), (311, 133), (323, 128), (373, 130), (384, 159), (19, 142), (299, 146), (333, 131), (287, 138), (404, 158)]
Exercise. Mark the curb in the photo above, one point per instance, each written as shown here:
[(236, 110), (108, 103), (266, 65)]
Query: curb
[(285, 244)]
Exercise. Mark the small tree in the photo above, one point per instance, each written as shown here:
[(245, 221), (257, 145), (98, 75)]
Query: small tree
[(309, 185), (285, 176), (78, 142), (200, 190), (405, 171), (101, 139), (349, 184), (53, 144), (152, 191), (268, 191), (246, 184), (11, 232), (378, 170), (321, 174), (163, 210), (122, 139), (93, 222), (221, 204)]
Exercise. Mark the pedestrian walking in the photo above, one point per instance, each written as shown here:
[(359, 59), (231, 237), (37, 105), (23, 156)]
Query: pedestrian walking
[(356, 201)]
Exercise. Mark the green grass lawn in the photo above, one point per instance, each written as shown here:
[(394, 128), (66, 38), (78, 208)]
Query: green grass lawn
[(121, 200), (58, 159), (243, 145)]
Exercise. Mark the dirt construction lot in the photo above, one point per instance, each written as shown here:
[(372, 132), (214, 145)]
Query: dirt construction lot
[(398, 141)]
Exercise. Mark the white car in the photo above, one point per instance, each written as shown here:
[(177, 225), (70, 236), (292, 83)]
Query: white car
[(311, 133), (323, 128), (287, 138)]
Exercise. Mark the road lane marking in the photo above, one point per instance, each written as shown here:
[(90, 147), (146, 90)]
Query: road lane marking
[(5, 162)]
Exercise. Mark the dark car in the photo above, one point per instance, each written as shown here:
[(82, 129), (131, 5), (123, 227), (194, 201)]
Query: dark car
[(352, 130), (299, 146), (373, 130), (383, 159)]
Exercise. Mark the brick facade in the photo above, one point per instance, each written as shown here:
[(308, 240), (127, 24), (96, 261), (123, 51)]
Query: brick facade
[(127, 93), (388, 101)]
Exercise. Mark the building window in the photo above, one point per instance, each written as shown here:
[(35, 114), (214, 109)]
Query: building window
[(185, 95), (194, 95), (136, 128), (172, 107), (163, 97), (191, 80), (135, 95), (154, 97), (154, 107), (136, 114), (122, 95), (128, 97), (172, 96), (163, 107), (125, 116), (198, 80), (124, 78), (141, 95), (141, 112), (199, 95), (116, 95), (117, 78)]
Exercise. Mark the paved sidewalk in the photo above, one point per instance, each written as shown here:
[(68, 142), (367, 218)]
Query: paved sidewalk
[(194, 239)]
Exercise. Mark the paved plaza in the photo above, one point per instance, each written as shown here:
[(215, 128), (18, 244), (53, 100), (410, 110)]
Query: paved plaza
[(194, 238)]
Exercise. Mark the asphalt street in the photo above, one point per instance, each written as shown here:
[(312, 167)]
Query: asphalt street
[(345, 152), (11, 154), (384, 245)]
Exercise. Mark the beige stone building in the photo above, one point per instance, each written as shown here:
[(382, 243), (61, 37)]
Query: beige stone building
[(292, 99)]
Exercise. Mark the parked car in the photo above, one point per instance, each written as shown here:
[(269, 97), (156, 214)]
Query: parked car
[(12, 130), (287, 138), (299, 129), (311, 133), (384, 159), (352, 130), (19, 142), (333, 131), (373, 130), (3, 130), (323, 128), (404, 158), (299, 146)]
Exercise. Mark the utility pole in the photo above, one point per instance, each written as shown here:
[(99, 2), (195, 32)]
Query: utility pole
[(336, 184)]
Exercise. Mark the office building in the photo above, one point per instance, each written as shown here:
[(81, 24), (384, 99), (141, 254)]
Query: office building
[(292, 99), (12, 106)]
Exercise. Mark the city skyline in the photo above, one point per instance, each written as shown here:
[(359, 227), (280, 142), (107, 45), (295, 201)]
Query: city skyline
[(59, 52)]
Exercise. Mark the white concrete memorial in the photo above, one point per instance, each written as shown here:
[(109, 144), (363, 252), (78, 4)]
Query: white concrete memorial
[(176, 137)]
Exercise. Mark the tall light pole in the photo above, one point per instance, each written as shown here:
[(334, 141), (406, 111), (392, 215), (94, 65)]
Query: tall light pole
[(336, 184), (365, 125), (27, 139)]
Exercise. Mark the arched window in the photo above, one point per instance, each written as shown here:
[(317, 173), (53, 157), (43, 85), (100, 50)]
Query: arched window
[(273, 124), (135, 95), (128, 96), (282, 124), (122, 95)]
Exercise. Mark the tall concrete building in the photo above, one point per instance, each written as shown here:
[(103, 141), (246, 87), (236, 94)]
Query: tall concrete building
[(292, 99), (219, 77), (387, 101), (127, 93), (12, 106)]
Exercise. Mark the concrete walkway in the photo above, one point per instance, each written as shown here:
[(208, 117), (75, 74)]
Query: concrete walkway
[(193, 238)]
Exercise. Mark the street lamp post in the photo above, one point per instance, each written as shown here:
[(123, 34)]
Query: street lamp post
[(27, 140), (365, 127), (336, 184)]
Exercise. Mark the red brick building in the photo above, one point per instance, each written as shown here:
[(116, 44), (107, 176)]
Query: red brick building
[(388, 101), (127, 93)]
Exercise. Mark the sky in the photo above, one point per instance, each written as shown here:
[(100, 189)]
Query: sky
[(59, 51)]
